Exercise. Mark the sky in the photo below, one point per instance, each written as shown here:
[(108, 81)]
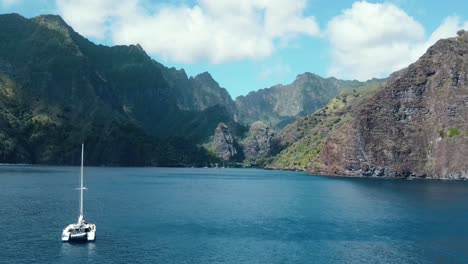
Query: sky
[(248, 45)]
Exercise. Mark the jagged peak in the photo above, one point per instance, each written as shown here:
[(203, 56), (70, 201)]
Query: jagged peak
[(53, 22), (308, 75), (57, 24), (206, 77), (138, 48), (50, 18), (182, 71), (179, 72)]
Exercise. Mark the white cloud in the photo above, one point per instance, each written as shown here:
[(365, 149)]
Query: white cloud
[(8, 3), (95, 18), (372, 40), (211, 30)]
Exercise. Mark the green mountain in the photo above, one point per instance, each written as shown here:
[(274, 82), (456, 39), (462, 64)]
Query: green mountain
[(58, 89), (282, 104), (413, 126), (302, 141)]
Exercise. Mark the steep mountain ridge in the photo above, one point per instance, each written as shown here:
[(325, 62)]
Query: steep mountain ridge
[(198, 93), (415, 126), (58, 89)]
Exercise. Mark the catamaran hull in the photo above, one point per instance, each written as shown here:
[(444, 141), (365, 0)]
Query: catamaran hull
[(91, 236), (75, 232), (82, 237)]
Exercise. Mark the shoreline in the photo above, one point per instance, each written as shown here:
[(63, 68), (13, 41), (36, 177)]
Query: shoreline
[(240, 167), (371, 177)]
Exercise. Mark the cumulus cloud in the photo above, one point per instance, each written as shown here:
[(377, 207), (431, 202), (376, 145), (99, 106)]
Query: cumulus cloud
[(374, 39), (211, 30)]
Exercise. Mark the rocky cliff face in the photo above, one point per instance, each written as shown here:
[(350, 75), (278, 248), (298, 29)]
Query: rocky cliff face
[(301, 143), (417, 125), (282, 104), (260, 143), (414, 127), (198, 93), (225, 146)]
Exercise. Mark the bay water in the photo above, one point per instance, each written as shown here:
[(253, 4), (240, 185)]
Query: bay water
[(197, 215)]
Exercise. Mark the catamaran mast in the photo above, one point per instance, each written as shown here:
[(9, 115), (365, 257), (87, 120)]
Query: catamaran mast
[(81, 185)]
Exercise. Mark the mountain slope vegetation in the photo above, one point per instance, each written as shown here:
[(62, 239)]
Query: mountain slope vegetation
[(58, 89)]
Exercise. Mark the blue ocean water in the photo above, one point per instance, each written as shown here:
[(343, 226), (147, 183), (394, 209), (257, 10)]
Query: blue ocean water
[(168, 215)]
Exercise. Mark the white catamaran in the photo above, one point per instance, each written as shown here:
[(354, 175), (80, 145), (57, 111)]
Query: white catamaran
[(81, 231)]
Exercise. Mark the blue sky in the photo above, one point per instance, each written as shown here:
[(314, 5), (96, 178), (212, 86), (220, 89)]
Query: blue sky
[(252, 44)]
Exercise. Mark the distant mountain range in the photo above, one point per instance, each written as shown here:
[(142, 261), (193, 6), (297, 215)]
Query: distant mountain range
[(282, 104), (58, 89)]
